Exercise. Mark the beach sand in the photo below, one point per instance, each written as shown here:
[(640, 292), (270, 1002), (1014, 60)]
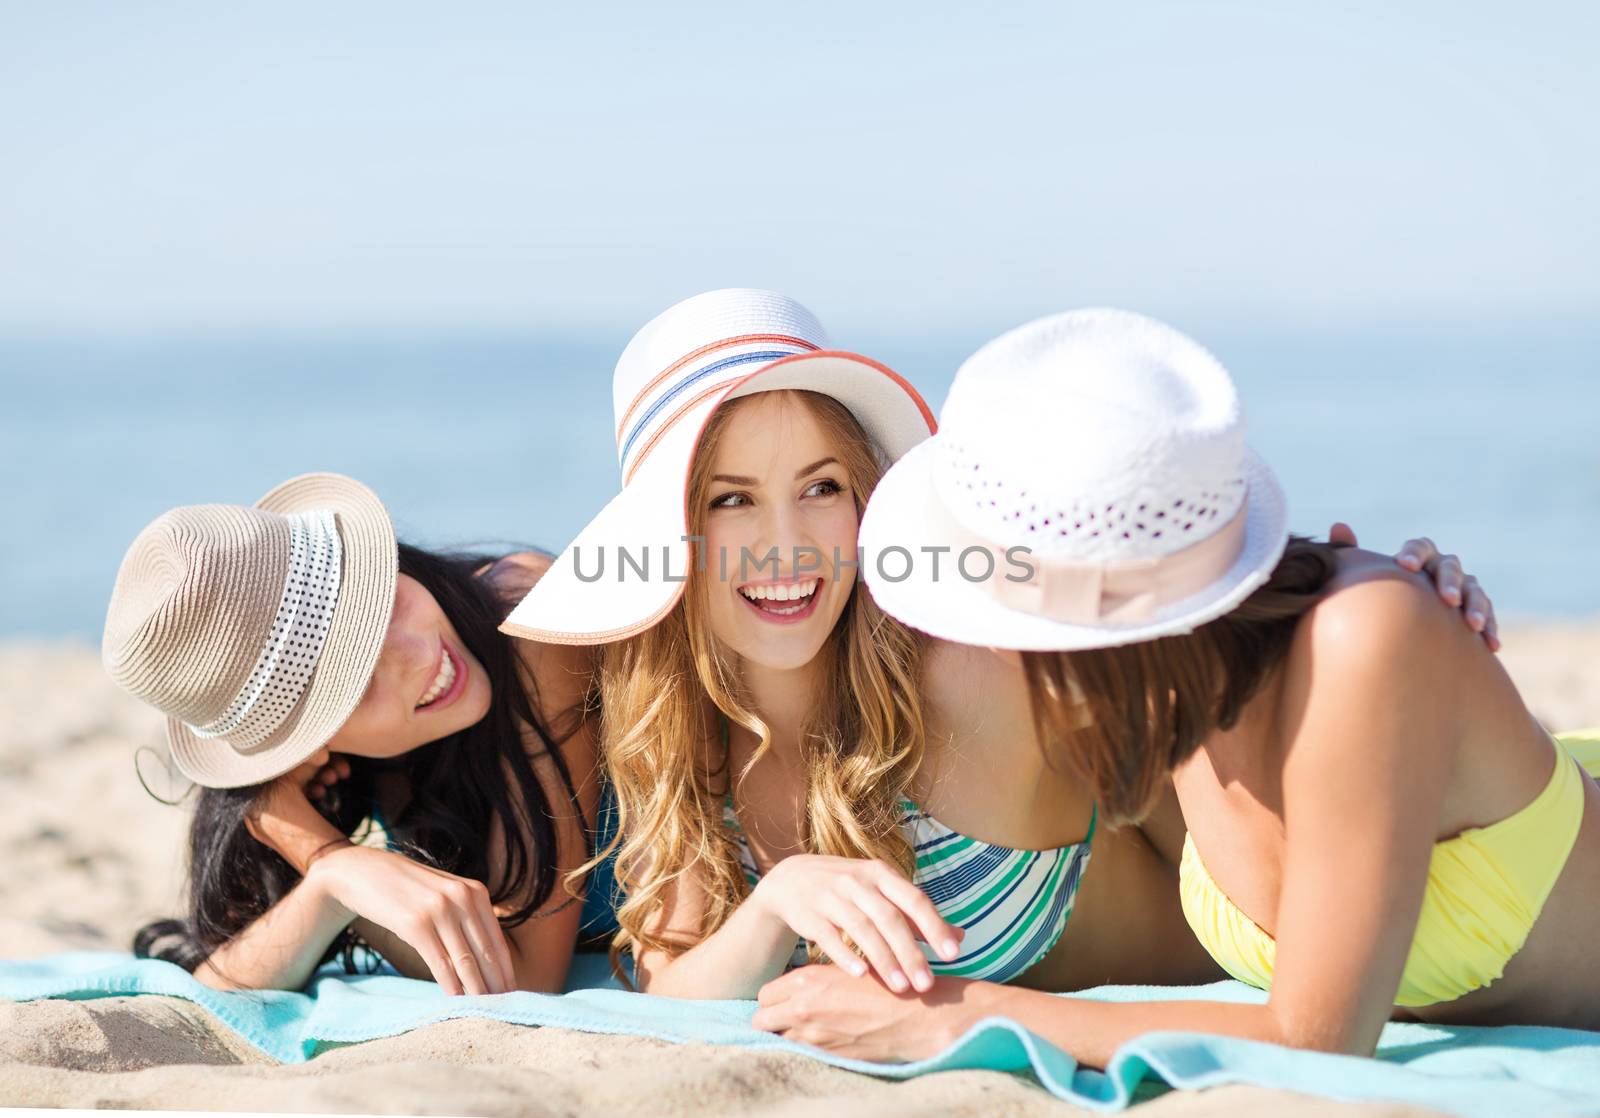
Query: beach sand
[(88, 857)]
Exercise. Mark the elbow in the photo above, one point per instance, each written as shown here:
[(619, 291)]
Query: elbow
[(1338, 1038), (208, 975)]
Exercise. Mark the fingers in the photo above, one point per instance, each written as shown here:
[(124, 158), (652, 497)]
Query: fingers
[(1455, 587), (427, 944), (464, 960), (502, 948), (1342, 535), (780, 989), (1480, 613), (827, 937), (1448, 578), (1475, 604), (490, 942), (326, 776), (1418, 555), (896, 933), (938, 933), (305, 772), (869, 941), (774, 1018)]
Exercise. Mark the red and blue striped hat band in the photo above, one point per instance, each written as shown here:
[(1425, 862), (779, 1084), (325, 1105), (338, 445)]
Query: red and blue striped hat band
[(673, 374)]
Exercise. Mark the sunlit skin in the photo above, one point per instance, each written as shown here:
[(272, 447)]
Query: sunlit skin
[(424, 921), (389, 722), (1386, 729), (778, 490), (983, 775)]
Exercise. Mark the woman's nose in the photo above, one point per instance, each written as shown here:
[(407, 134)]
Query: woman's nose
[(783, 530)]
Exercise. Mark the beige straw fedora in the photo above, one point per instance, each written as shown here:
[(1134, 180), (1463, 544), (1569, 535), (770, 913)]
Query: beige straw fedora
[(255, 630)]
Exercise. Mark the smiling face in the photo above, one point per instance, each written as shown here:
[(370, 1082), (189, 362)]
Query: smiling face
[(775, 483), (426, 686)]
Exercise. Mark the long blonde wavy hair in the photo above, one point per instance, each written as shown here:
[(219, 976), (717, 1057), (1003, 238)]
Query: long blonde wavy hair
[(861, 749)]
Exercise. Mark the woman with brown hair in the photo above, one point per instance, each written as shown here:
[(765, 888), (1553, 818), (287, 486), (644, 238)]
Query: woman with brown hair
[(1377, 825), (793, 768)]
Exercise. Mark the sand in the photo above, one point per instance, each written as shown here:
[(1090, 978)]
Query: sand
[(88, 857)]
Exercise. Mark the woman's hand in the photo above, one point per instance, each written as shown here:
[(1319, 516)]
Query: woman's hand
[(448, 920), (855, 1016), (321, 778), (1458, 589), (280, 818), (824, 899)]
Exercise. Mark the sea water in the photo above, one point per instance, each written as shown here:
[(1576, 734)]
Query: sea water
[(1482, 436)]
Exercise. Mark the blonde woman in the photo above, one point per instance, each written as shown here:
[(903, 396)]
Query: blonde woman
[(794, 769), (1378, 826)]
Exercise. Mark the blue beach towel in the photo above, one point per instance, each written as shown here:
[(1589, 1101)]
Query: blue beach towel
[(1473, 1072)]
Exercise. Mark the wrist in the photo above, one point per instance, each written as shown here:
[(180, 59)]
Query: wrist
[(323, 874), (296, 831), (770, 923), (763, 897), (971, 1003)]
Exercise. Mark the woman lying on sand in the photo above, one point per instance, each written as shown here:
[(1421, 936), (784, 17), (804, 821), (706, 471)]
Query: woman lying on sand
[(277, 635), (793, 767), (1377, 825)]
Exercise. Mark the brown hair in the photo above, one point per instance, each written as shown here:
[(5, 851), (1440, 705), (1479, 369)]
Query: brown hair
[(1127, 716), (863, 745)]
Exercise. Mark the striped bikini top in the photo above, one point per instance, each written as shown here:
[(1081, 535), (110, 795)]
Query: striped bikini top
[(1013, 904)]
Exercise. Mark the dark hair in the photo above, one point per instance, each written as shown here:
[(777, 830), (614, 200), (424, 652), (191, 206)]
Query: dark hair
[(1126, 717), (459, 788)]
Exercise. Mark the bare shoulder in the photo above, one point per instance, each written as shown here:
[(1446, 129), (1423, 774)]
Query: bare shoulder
[(562, 674), (1378, 657), (965, 688), (1375, 610)]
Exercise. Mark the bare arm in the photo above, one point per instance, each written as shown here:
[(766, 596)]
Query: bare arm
[(749, 949), (1366, 817), (282, 948), (559, 679), (424, 921)]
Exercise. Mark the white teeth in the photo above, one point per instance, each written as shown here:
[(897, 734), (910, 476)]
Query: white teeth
[(442, 681), (786, 592)]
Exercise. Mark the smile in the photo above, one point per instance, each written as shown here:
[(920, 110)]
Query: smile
[(783, 601), (447, 681)]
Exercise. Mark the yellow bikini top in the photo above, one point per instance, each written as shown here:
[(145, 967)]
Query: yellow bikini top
[(1486, 887)]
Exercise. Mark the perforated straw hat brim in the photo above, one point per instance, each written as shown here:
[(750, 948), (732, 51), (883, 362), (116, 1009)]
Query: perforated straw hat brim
[(349, 654), (904, 512), (649, 518)]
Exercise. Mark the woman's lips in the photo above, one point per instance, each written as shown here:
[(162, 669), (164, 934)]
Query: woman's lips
[(787, 612), (456, 686)]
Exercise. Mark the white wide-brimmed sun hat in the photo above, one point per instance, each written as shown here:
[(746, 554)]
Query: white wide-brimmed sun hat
[(626, 569), (255, 630), (1089, 487)]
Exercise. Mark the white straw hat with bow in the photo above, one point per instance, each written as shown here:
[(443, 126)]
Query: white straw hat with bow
[(1089, 487)]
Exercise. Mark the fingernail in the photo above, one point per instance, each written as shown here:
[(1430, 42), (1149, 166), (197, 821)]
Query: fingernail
[(856, 968), (897, 982), (949, 948), (1476, 617), (924, 980)]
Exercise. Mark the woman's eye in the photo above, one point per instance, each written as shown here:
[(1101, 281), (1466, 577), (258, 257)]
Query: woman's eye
[(824, 488), (730, 500)]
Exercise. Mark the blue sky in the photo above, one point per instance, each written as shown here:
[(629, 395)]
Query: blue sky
[(201, 167)]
